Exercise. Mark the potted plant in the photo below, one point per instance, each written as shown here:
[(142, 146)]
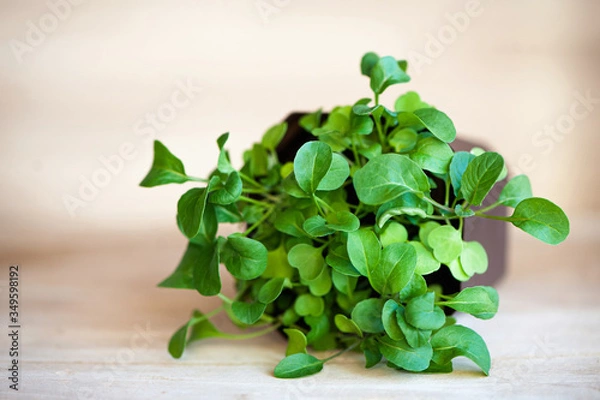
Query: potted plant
[(339, 241)]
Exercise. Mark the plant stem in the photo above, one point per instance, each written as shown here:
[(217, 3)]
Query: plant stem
[(193, 178), (447, 197), (253, 334), (224, 298), (253, 201), (490, 207), (438, 205), (260, 221), (352, 346), (250, 180), (496, 217)]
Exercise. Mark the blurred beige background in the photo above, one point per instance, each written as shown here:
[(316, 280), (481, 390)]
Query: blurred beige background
[(80, 81)]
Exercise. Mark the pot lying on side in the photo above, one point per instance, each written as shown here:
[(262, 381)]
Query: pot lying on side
[(490, 233)]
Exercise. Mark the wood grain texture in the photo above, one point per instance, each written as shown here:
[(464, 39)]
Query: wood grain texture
[(96, 327)]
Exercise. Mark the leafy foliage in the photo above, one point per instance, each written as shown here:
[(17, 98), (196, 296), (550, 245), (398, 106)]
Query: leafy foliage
[(337, 243)]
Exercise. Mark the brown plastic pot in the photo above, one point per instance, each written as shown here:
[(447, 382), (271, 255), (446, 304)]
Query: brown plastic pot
[(490, 233)]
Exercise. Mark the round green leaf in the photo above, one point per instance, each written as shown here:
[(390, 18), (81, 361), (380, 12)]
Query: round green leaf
[(515, 191), (458, 166), (390, 322), (473, 258), (364, 250), (307, 259), (480, 176), (346, 325), (244, 258), (426, 262), (457, 270), (399, 353), (248, 313), (421, 313), (386, 177), (432, 155), (337, 174), (425, 229), (367, 315), (456, 340), (271, 290), (298, 365), (393, 232), (307, 304), (296, 341), (438, 123), (343, 221), (311, 164), (446, 243), (394, 270), (542, 219)]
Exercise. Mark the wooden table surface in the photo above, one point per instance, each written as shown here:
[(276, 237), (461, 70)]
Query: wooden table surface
[(94, 326)]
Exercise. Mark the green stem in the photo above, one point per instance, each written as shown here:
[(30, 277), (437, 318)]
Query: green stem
[(260, 221), (323, 202), (352, 346), (438, 205), (250, 180), (229, 301), (224, 298), (355, 152), (193, 178), (490, 207), (253, 334), (380, 132), (253, 201), (496, 217), (376, 99), (447, 197)]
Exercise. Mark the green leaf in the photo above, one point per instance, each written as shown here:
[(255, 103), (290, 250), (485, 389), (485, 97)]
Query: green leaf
[(446, 243), (405, 204), (457, 270), (426, 262), (424, 231), (311, 164), (298, 365), (367, 63), (337, 174), (182, 277), (367, 315), (458, 166), (338, 259), (223, 163), (386, 72), (307, 304), (542, 219), (244, 258), (479, 301), (394, 270), (416, 287), (248, 313), (432, 155), (346, 325), (410, 102), (388, 176), (205, 275), (437, 123), (343, 283), (364, 250), (343, 221), (273, 136), (360, 125), (403, 140), (290, 221), (415, 337), (271, 290), (316, 226), (456, 340), (319, 328), (230, 191), (393, 232), (278, 265), (371, 351), (399, 353), (296, 342), (421, 313), (307, 259), (480, 176), (473, 258), (390, 320), (166, 168), (311, 121), (515, 191), (259, 161), (322, 284), (190, 210), (178, 341), (202, 328)]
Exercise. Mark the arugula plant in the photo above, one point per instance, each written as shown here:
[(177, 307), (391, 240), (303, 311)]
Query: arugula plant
[(338, 243)]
